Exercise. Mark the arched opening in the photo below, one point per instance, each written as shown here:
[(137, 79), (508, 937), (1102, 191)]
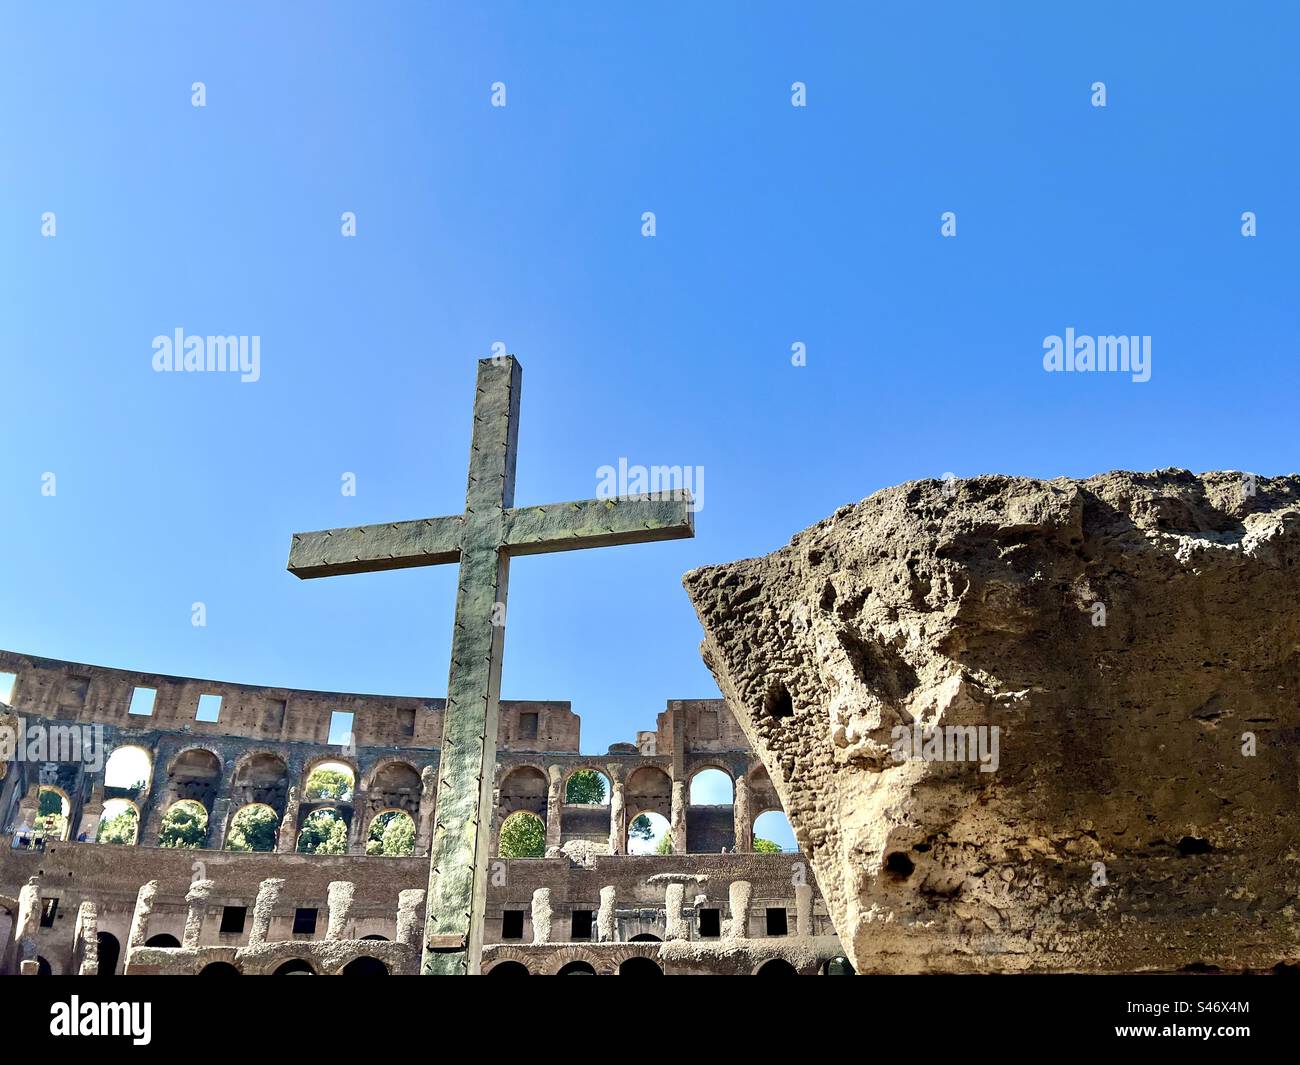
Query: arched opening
[(297, 967), (391, 835), (219, 968), (711, 787), (587, 787), (377, 939), (508, 968), (524, 788), (776, 967), (330, 781), (649, 833), (523, 835), (184, 826), (324, 831), (773, 834), (365, 966), (110, 950), (649, 788), (195, 775), (120, 822), (262, 778), (127, 773), (53, 812), (43, 967), (838, 967), (164, 940), (577, 968), (396, 785), (645, 937), (253, 828), (640, 967)]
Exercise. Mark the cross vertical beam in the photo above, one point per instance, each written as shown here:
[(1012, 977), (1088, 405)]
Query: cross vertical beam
[(482, 540)]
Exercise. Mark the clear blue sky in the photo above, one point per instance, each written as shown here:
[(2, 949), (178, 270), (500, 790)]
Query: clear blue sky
[(522, 224)]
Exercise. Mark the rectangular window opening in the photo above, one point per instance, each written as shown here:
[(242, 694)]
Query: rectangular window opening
[(142, 700), (512, 924), (528, 726), (710, 923), (304, 922), (209, 708), (340, 728), (776, 923), (232, 920), (8, 682), (580, 926), (49, 907)]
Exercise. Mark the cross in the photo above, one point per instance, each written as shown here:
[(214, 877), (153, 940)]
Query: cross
[(483, 540)]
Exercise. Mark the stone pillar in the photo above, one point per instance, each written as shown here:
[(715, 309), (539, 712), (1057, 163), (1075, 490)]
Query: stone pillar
[(357, 830), (542, 915), (739, 893), (268, 894), (86, 939), (151, 824), (29, 920), (340, 903), (741, 819), (410, 915), (674, 923), (424, 820), (218, 823), (28, 808), (677, 823), (617, 816), (140, 919), (554, 805), (287, 841), (197, 900), (605, 929), (803, 906)]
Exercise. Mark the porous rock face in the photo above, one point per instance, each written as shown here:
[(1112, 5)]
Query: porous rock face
[(1143, 810)]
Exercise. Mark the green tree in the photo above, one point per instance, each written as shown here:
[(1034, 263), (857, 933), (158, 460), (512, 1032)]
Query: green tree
[(254, 828), (392, 835), (766, 846), (665, 844), (586, 786), (120, 828), (329, 784), (185, 825), (523, 836), (641, 828), (323, 832)]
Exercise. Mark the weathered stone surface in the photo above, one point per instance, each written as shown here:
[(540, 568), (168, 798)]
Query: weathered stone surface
[(1127, 824)]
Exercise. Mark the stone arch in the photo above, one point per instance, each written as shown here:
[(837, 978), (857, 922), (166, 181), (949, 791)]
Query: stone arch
[(710, 767), (523, 787), (109, 821), (710, 825), (649, 789), (261, 845), (219, 968), (601, 771), (364, 965), (567, 956), (200, 823), (639, 965), (63, 827), (376, 825), (394, 769), (194, 774), (164, 940), (538, 852), (775, 967), (776, 828), (643, 846), (329, 761), (128, 771), (507, 967), (294, 967), (319, 820), (261, 777)]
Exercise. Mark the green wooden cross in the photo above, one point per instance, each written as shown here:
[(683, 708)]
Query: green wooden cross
[(483, 540)]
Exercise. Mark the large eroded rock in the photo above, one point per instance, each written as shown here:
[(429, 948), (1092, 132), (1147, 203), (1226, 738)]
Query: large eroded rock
[(1134, 638)]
